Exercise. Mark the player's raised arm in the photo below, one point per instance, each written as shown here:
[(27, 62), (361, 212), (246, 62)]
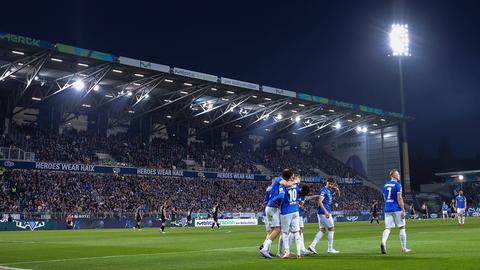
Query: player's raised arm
[(308, 198), (337, 190)]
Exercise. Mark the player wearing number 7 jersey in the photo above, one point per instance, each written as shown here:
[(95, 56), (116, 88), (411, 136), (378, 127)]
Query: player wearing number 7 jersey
[(394, 211)]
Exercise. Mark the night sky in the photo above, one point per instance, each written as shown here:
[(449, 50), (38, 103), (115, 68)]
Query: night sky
[(334, 49)]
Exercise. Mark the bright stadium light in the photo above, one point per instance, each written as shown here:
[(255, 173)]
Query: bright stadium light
[(279, 116), (364, 129), (79, 85), (337, 125), (399, 40), (96, 88), (297, 119), (460, 177), (359, 129)]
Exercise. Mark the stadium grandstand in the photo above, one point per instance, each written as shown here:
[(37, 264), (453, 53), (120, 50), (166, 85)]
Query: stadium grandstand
[(116, 134)]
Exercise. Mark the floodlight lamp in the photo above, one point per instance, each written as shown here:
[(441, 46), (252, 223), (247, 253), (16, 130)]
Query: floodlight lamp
[(399, 40), (78, 85)]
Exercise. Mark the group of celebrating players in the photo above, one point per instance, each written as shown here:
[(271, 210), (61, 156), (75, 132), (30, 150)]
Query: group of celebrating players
[(284, 200), (283, 214)]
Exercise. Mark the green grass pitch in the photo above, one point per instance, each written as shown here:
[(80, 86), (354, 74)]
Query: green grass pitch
[(435, 244)]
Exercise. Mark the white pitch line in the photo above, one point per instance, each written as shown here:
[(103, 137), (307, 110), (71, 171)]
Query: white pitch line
[(126, 255), (11, 268)]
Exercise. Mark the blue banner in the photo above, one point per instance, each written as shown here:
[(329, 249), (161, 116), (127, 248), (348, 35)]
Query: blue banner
[(72, 167), (89, 168)]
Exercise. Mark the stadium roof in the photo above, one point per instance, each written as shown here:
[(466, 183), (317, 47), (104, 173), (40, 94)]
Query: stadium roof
[(41, 72), (455, 174)]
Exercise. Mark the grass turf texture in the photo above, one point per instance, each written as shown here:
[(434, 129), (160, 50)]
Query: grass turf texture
[(436, 244)]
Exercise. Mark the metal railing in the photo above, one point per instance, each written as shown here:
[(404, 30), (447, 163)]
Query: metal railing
[(14, 153)]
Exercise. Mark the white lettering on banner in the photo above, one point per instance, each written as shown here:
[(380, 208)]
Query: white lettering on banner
[(279, 91), (241, 84), (64, 167), (245, 176), (226, 222), (243, 215), (474, 211), (177, 173), (77, 167), (146, 171), (32, 225), (195, 75), (47, 166), (162, 172)]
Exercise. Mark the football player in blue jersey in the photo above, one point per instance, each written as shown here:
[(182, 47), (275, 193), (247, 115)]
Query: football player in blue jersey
[(272, 210), (394, 211), (290, 218), (444, 210), (325, 219), (461, 205)]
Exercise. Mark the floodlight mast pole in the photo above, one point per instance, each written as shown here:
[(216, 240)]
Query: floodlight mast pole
[(406, 162), (399, 41)]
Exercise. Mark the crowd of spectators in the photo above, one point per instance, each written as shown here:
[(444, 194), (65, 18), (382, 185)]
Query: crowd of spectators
[(306, 163), (79, 146), (66, 192)]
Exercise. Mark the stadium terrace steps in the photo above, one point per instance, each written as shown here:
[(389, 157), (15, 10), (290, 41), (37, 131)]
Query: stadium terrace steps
[(263, 170), (105, 158), (191, 164)]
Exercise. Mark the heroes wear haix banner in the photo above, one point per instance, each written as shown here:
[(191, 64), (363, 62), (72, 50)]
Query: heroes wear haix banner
[(71, 167)]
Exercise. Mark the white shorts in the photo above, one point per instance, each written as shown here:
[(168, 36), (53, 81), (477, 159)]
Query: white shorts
[(460, 211), (324, 222), (444, 212), (267, 224), (273, 216), (394, 218), (301, 222), (290, 222)]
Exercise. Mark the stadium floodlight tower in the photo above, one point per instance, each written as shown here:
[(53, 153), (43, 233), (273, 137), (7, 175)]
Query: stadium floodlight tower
[(399, 43)]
